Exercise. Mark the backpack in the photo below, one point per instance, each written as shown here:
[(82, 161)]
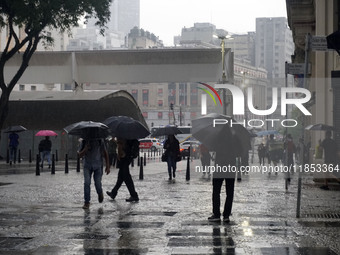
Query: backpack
[(134, 148)]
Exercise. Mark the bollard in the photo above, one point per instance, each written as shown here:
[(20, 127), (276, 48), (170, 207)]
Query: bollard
[(144, 159), (7, 156), (239, 177), (53, 164), (141, 174), (56, 155), (37, 169), (30, 156), (66, 163), (78, 164), (187, 176), (19, 156)]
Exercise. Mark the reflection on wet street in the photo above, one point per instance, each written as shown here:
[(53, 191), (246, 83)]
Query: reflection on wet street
[(43, 215)]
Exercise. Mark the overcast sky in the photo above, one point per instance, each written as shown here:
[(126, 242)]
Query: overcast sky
[(166, 18)]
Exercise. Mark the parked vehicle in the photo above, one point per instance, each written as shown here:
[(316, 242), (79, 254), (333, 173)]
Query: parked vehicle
[(193, 146), (152, 144)]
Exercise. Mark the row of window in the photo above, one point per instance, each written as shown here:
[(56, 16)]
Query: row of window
[(161, 115)]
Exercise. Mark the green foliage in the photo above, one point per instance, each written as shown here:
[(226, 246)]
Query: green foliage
[(34, 18), (36, 15)]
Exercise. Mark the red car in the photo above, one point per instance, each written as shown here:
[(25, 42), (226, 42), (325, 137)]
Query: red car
[(150, 144)]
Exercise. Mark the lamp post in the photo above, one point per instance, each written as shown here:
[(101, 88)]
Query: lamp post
[(224, 77), (244, 86)]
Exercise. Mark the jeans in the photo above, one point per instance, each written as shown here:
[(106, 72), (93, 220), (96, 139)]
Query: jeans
[(47, 155), (124, 176), (229, 186), (97, 177), (12, 153), (171, 164)]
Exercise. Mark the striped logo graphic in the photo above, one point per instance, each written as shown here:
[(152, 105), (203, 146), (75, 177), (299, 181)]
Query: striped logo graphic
[(209, 93)]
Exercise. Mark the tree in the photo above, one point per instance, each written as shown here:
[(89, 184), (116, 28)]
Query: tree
[(26, 22)]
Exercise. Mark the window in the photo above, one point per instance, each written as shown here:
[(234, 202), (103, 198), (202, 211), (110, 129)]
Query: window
[(21, 87), (160, 92), (145, 97), (160, 102), (145, 115), (134, 93), (33, 88), (160, 115)]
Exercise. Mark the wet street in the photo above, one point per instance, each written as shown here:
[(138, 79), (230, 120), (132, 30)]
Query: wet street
[(43, 215)]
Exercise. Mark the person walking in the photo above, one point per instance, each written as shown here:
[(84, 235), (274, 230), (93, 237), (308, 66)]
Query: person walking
[(290, 149), (330, 155), (112, 151), (45, 147), (225, 159), (124, 158), (261, 151), (172, 152), (13, 142), (205, 159), (93, 151)]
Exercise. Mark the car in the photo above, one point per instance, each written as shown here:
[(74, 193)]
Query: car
[(192, 145), (152, 144)]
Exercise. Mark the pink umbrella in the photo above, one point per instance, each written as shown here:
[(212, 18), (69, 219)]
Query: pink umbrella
[(46, 133)]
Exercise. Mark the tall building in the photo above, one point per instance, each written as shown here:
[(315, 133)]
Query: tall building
[(125, 15), (243, 46), (273, 47)]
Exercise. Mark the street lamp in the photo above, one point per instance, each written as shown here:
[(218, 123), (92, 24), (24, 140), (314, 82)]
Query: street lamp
[(224, 77), (244, 87)]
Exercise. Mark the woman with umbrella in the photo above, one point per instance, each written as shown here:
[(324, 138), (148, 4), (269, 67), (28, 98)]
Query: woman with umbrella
[(172, 152)]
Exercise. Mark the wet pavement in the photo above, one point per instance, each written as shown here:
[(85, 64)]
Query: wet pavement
[(43, 215)]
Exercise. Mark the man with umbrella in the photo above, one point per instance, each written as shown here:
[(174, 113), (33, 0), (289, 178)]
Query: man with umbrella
[(13, 142), (93, 151), (127, 130)]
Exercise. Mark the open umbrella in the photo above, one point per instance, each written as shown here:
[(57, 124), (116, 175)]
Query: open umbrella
[(319, 127), (126, 127), (267, 132), (215, 138), (15, 129), (46, 133), (167, 130), (88, 129)]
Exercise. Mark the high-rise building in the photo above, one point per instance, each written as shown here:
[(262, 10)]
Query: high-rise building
[(125, 15), (273, 47)]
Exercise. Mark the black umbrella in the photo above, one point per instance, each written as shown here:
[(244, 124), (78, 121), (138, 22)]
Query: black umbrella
[(333, 41), (15, 129), (167, 130), (214, 137), (319, 127), (88, 129), (126, 127)]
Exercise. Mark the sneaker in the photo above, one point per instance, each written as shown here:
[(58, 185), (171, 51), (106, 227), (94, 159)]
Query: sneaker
[(214, 218), (86, 206), (226, 219), (110, 194), (325, 187), (132, 199), (100, 197)]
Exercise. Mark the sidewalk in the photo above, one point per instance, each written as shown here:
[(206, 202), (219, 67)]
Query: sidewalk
[(43, 215)]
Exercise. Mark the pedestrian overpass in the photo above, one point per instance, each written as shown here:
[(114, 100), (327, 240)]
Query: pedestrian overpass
[(115, 66)]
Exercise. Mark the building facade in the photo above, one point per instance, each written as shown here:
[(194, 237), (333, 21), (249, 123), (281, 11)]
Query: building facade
[(318, 18)]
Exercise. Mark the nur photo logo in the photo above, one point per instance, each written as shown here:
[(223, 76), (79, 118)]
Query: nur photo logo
[(204, 97)]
